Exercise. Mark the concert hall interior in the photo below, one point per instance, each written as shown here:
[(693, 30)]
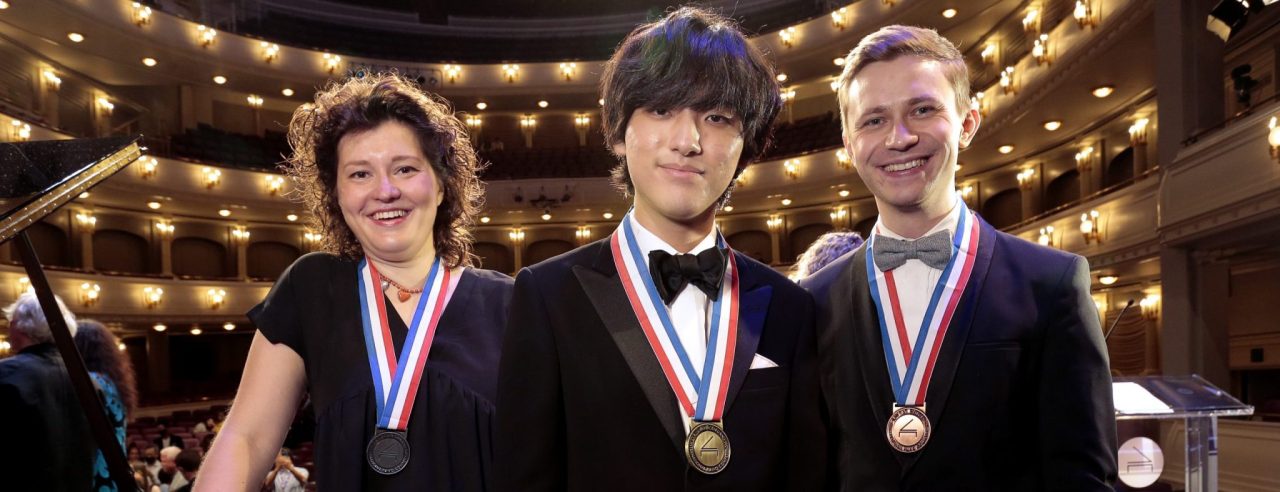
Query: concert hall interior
[(1120, 130)]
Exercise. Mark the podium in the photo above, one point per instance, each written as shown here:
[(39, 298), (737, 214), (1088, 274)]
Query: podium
[(1157, 416)]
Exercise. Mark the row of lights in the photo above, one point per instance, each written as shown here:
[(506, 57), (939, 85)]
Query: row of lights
[(1091, 230), (90, 292), (195, 329)]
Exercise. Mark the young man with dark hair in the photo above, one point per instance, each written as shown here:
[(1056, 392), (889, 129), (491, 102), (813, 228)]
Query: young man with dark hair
[(658, 358), (954, 356)]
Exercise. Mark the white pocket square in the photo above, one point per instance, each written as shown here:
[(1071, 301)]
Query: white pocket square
[(762, 362)]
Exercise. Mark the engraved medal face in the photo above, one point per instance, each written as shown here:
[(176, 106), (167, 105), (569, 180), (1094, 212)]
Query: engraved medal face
[(388, 452), (908, 429), (707, 447)]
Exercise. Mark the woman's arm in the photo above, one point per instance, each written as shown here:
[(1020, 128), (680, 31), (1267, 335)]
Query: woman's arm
[(272, 385)]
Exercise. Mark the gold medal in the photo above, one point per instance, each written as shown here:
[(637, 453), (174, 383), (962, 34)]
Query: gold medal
[(707, 447), (908, 429)]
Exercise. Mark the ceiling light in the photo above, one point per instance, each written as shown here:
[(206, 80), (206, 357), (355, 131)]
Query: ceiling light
[(546, 216), (1052, 125), (782, 77), (159, 327), (786, 202), (291, 217), (153, 205), (607, 215), (542, 104), (218, 79), (601, 101), (84, 194), (287, 92), (4, 5), (838, 61), (728, 208), (1005, 149), (1103, 91), (1108, 279), (148, 61), (229, 326), (485, 219), (75, 37), (481, 105), (224, 212), (196, 331), (949, 13), (844, 193)]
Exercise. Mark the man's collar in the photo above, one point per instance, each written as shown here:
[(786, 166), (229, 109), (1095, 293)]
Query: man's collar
[(948, 223), (648, 241)]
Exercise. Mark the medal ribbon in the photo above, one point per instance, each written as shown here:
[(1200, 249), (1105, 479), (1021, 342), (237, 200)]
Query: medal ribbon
[(397, 383), (702, 394), (911, 366)]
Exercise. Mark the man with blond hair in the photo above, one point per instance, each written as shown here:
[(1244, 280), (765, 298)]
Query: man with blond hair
[(954, 356)]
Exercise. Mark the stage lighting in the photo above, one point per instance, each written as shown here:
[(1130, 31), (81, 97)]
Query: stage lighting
[(1229, 16)]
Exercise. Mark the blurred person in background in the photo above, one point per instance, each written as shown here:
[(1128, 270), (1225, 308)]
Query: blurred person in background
[(824, 250), (113, 377)]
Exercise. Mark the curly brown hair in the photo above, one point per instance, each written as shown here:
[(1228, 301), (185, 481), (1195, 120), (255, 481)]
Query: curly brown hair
[(99, 349), (360, 104)]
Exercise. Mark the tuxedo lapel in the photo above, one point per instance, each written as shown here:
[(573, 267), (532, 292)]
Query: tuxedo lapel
[(753, 306), (864, 328), (608, 297), (957, 335)]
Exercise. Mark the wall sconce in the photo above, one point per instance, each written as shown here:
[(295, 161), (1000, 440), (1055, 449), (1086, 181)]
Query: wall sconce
[(147, 167), (1273, 138), (151, 297), (21, 132), (451, 73), (583, 234), (1150, 306), (568, 70), (206, 35), (1084, 159), (838, 215), (980, 103), (840, 18), (791, 168), (1091, 227), (1085, 14), (215, 297), (991, 53), (788, 94), (22, 286), (788, 36), (842, 159), (86, 221), (528, 123), (1046, 237), (1031, 22), (835, 81), (516, 235), (331, 62), (774, 223), (51, 79), (104, 104), (1025, 177), (211, 177), (742, 179), (1138, 132), (239, 235), (310, 239), (1008, 85), (269, 51), (141, 14), (474, 122), (581, 123), (511, 72), (164, 227), (255, 101), (1040, 51), (89, 293), (274, 183)]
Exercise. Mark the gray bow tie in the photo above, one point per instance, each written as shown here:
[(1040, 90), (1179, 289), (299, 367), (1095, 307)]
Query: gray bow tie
[(934, 250)]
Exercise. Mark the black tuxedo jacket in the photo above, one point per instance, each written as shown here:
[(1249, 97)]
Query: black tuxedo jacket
[(584, 405), (47, 444), (1021, 391)]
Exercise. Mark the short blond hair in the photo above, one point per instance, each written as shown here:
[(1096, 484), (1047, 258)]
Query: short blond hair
[(891, 42)]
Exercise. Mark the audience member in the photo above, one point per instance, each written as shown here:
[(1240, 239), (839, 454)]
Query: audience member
[(151, 459), (206, 442), (826, 248), (167, 439), (285, 477), (169, 477), (146, 482), (47, 440), (113, 377), (188, 463)]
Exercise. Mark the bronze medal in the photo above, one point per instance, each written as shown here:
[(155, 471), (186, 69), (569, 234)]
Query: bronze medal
[(908, 429), (388, 451), (707, 447)]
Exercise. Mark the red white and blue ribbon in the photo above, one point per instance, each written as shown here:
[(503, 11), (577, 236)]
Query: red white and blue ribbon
[(911, 363), (700, 386), (396, 379)]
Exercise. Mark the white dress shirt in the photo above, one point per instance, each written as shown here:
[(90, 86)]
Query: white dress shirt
[(688, 311), (914, 279)]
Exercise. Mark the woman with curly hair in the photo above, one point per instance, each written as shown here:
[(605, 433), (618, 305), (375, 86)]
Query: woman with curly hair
[(389, 330), (112, 376)]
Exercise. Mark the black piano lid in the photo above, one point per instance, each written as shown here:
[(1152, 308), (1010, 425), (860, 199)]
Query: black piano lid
[(38, 177)]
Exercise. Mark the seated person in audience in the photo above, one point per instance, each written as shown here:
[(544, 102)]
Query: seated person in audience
[(112, 376), (170, 477), (188, 462), (146, 482), (167, 439), (135, 456), (826, 248), (285, 476), (151, 461)]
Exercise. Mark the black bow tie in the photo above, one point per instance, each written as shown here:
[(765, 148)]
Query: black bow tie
[(671, 273)]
